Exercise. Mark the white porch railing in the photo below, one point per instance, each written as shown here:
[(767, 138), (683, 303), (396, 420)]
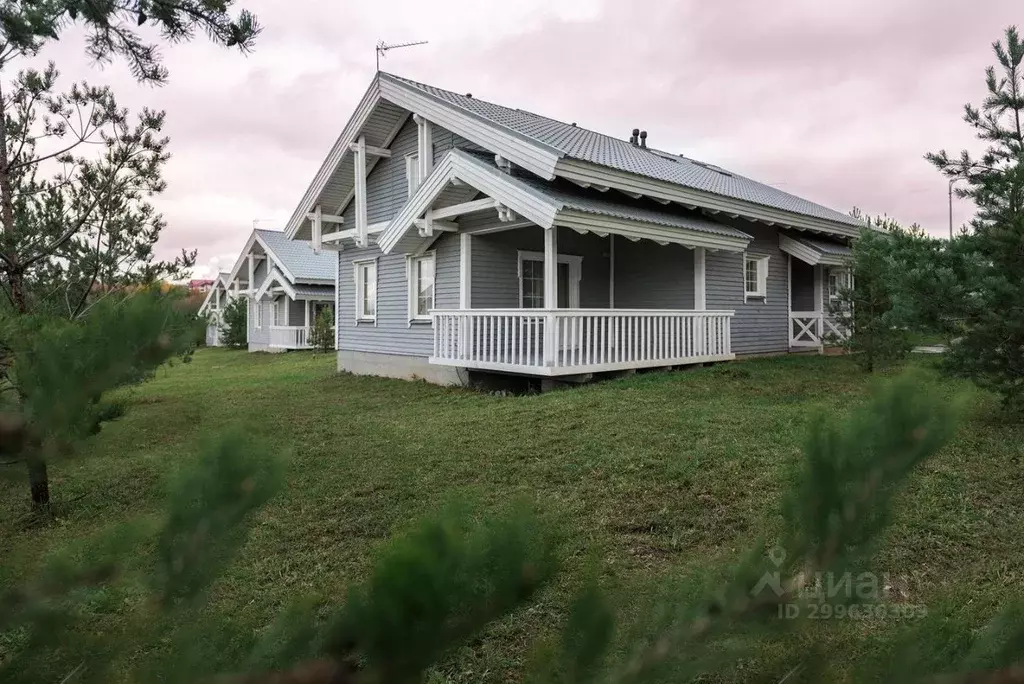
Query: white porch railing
[(812, 328), (289, 337), (573, 341)]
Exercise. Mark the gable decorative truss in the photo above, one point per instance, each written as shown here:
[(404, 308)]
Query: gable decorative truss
[(253, 240), (514, 198), (275, 276)]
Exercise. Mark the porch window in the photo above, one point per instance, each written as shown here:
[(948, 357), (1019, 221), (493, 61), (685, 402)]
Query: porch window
[(257, 308), (755, 276), (531, 280), (421, 287), (366, 290), (316, 307), (412, 172)]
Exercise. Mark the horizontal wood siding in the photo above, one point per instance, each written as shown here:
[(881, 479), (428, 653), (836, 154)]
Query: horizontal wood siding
[(387, 189), (652, 276), (496, 265), (393, 334), (759, 326), (296, 312)]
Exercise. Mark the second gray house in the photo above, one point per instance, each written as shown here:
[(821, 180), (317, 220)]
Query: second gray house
[(466, 236), (286, 285)]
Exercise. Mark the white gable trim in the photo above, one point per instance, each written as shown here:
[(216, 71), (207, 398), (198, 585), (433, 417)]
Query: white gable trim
[(519, 149), (253, 239), (334, 158), (275, 276), (457, 164)]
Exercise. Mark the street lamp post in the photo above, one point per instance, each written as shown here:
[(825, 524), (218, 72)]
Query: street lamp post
[(951, 182)]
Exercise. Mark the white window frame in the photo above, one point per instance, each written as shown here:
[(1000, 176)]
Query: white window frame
[(762, 276), (842, 276), (412, 172), (575, 263), (413, 287), (357, 269), (258, 308)]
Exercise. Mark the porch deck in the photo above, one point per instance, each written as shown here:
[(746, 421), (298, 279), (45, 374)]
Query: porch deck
[(559, 342)]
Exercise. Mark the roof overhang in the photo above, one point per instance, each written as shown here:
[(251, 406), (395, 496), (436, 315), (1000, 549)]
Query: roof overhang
[(586, 173), (809, 253), (532, 204)]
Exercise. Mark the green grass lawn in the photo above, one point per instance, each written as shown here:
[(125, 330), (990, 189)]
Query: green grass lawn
[(653, 474)]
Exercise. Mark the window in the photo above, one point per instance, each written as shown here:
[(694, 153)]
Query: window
[(531, 280), (755, 276), (838, 280), (366, 290), (257, 307), (412, 172), (421, 287)]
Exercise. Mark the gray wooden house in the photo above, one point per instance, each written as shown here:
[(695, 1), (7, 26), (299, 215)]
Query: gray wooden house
[(468, 236), (286, 285)]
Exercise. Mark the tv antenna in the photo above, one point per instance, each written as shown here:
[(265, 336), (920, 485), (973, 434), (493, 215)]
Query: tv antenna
[(382, 48)]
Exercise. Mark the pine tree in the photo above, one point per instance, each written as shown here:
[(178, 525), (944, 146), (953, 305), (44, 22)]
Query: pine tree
[(234, 329), (322, 334), (991, 348), (75, 224), (867, 312), (444, 582)]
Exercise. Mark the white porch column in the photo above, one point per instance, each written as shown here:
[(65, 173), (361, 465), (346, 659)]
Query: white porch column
[(307, 314), (252, 273), (819, 295), (550, 294), (465, 271), (359, 158), (611, 270), (700, 292)]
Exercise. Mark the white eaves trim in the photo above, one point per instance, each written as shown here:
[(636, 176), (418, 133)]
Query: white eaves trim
[(594, 174), (334, 158), (519, 149), (583, 222), (275, 277)]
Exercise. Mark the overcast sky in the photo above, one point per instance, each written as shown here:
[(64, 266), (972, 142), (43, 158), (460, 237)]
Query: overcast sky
[(834, 101)]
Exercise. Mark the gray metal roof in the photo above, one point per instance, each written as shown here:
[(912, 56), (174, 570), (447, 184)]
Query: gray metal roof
[(825, 246), (314, 291), (298, 257), (597, 148)]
